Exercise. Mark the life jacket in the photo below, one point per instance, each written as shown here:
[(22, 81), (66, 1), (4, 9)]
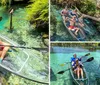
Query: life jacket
[(74, 59)]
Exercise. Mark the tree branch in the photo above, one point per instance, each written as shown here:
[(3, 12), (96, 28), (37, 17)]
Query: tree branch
[(88, 16), (93, 18)]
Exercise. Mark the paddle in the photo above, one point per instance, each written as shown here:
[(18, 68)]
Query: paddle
[(88, 60), (39, 49), (70, 62)]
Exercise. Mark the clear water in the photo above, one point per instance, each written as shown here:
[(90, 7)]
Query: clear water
[(92, 68), (5, 16), (63, 35), (21, 26)]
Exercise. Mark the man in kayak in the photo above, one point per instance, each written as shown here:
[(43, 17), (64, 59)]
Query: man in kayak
[(74, 13), (72, 26), (78, 19), (3, 50), (64, 13), (73, 59), (77, 66)]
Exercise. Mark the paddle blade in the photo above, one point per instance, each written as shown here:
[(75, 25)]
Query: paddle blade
[(62, 64), (87, 54), (60, 72), (90, 59)]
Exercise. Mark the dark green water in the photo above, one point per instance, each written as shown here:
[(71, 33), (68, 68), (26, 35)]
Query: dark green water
[(92, 68)]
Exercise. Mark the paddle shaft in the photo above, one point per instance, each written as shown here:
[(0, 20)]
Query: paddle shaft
[(88, 60), (39, 49), (80, 58)]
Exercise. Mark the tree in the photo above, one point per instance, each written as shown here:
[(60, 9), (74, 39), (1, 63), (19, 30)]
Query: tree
[(3, 2), (38, 14), (68, 3)]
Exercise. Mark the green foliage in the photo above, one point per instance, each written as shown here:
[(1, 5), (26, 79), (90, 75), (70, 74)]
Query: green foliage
[(38, 11), (87, 7), (3, 2)]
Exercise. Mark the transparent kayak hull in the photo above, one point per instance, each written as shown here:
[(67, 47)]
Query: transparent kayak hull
[(79, 81), (19, 62)]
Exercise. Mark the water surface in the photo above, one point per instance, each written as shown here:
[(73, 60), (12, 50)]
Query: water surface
[(92, 68)]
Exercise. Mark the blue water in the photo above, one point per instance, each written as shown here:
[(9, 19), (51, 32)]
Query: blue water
[(92, 68), (5, 17)]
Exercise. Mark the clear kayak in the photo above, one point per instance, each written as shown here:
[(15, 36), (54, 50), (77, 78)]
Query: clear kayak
[(25, 63), (80, 81), (81, 35)]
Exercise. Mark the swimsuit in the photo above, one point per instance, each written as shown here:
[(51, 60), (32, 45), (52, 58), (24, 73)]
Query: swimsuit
[(73, 28)]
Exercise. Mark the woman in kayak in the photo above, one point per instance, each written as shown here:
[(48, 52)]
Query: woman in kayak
[(3, 50), (78, 69), (77, 66)]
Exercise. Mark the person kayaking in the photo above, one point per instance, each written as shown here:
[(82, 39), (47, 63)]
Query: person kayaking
[(73, 59), (64, 13), (3, 50), (78, 69), (77, 66), (74, 13), (79, 20), (72, 26)]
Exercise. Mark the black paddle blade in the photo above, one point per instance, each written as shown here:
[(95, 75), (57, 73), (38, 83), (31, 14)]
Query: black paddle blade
[(90, 59), (60, 72), (87, 54)]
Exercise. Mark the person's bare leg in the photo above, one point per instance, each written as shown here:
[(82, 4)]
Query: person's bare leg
[(81, 73), (81, 24), (75, 71), (78, 75), (4, 51), (77, 29)]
